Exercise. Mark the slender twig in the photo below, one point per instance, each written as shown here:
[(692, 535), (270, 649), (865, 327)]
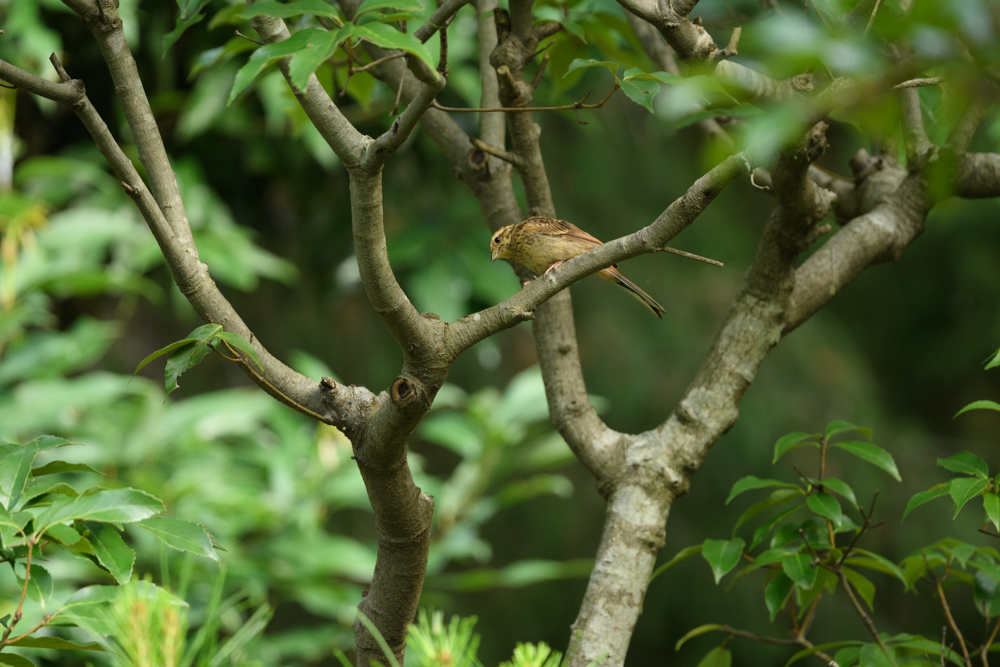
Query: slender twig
[(563, 107), (951, 621), (495, 151), (240, 34), (24, 591), (691, 255), (871, 19), (989, 642), (867, 524), (764, 639), (375, 63), (45, 620), (865, 618)]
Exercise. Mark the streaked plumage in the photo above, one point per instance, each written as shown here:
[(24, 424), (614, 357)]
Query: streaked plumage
[(542, 244)]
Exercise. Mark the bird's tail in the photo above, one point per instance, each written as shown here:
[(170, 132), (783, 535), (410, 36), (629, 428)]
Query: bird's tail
[(615, 276)]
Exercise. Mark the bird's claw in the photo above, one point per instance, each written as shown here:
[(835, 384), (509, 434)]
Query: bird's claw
[(553, 266)]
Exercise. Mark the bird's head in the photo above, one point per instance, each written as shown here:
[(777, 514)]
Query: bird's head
[(499, 244)]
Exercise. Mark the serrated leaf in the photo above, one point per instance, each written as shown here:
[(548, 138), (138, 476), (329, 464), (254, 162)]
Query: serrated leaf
[(106, 505), (202, 333), (776, 593), (581, 63), (181, 360), (281, 10), (240, 343), (918, 499), (112, 552), (872, 454), (695, 632), (964, 489), (395, 5), (839, 426), (722, 555), (381, 34), (14, 472), (826, 506), (979, 405), (306, 61), (800, 569), (181, 535), (787, 443), (751, 482), (864, 587), (267, 55), (966, 463)]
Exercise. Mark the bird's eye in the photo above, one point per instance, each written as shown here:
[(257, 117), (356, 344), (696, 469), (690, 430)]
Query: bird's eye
[(496, 239)]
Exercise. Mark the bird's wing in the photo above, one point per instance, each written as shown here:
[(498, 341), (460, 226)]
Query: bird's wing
[(563, 228)]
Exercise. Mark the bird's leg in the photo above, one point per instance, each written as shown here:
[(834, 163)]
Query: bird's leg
[(552, 266)]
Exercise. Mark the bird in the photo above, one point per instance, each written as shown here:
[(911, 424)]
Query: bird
[(541, 244)]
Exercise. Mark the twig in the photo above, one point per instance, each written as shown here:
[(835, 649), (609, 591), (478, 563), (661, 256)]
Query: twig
[(945, 607), (871, 19), (691, 255), (796, 641), (865, 618), (988, 643), (24, 591), (240, 34), (563, 107), (374, 63), (866, 526), (495, 151), (730, 49)]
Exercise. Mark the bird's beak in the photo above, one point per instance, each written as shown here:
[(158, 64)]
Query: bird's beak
[(493, 255)]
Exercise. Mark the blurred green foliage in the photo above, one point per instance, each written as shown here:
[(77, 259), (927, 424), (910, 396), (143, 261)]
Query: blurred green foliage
[(84, 297)]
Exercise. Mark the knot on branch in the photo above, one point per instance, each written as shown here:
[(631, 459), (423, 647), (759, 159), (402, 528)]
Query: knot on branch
[(403, 391)]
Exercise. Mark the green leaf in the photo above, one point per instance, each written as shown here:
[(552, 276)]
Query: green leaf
[(395, 5), (636, 74), (776, 555), (837, 427), (181, 535), (800, 569), (776, 593), (779, 497), (877, 562), (306, 61), (281, 10), (14, 471), (182, 24), (841, 488), (381, 34), (964, 489), (763, 530), (39, 586), (787, 443), (994, 362), (580, 63), (979, 405), (63, 534), (936, 491), (683, 554), (181, 360), (751, 482), (826, 506), (641, 92), (55, 643), (202, 333), (991, 503), (54, 467), (722, 555), (15, 660), (695, 632), (112, 552), (966, 463), (717, 657), (986, 593), (266, 56), (106, 505), (864, 587), (240, 343), (873, 454)]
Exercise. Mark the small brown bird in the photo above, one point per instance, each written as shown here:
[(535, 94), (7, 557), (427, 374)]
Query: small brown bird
[(542, 244)]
